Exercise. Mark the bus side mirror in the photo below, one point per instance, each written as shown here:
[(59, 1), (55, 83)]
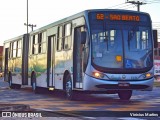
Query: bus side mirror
[(83, 37), (155, 38)]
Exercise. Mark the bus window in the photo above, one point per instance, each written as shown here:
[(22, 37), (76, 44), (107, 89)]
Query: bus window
[(102, 36), (138, 40), (43, 46), (35, 44), (67, 40), (144, 39), (40, 43), (141, 38), (10, 51), (105, 39), (31, 45), (14, 48), (59, 41), (19, 48), (112, 36), (94, 38)]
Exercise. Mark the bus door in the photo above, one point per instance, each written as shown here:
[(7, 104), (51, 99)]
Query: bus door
[(51, 61), (77, 58), (6, 64)]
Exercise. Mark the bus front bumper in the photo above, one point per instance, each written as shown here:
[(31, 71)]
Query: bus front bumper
[(93, 84)]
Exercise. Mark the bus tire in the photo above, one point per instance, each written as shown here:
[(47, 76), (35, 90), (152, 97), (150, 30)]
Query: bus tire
[(33, 80), (11, 85), (70, 94), (125, 94)]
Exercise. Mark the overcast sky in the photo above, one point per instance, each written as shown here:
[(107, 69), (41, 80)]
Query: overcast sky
[(42, 12)]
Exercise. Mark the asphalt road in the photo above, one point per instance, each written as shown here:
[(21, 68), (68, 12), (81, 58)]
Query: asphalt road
[(95, 105)]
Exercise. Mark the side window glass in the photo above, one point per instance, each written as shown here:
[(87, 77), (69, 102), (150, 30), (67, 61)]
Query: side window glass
[(40, 43), (19, 45), (43, 44), (14, 48), (67, 36), (35, 44), (11, 50), (144, 39), (59, 40)]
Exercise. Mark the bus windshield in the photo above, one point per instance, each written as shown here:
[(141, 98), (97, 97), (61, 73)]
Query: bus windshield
[(121, 44)]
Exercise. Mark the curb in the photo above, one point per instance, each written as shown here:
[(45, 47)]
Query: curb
[(14, 107)]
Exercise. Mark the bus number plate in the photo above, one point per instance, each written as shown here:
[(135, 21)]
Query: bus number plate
[(123, 84)]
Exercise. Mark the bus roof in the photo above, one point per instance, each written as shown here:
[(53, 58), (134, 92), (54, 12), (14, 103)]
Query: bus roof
[(83, 13), (12, 39)]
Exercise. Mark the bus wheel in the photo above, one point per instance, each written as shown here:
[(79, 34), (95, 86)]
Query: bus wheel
[(68, 88), (33, 79), (11, 85), (125, 94)]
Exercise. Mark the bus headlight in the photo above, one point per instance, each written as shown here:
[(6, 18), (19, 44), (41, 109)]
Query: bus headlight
[(145, 76), (98, 75), (148, 75)]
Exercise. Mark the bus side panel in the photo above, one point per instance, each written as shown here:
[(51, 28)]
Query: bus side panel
[(63, 62), (16, 70), (59, 69), (37, 63), (41, 70)]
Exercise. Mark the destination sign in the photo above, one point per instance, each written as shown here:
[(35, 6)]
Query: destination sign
[(118, 17)]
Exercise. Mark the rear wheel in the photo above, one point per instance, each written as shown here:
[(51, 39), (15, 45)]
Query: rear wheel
[(70, 94), (125, 94)]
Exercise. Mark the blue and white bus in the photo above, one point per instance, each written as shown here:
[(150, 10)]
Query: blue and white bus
[(95, 51)]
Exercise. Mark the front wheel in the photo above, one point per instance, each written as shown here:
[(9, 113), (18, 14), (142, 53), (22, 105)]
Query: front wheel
[(70, 94), (125, 94)]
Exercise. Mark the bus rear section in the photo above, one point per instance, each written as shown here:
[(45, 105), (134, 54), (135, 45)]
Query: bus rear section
[(121, 54), (15, 61)]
